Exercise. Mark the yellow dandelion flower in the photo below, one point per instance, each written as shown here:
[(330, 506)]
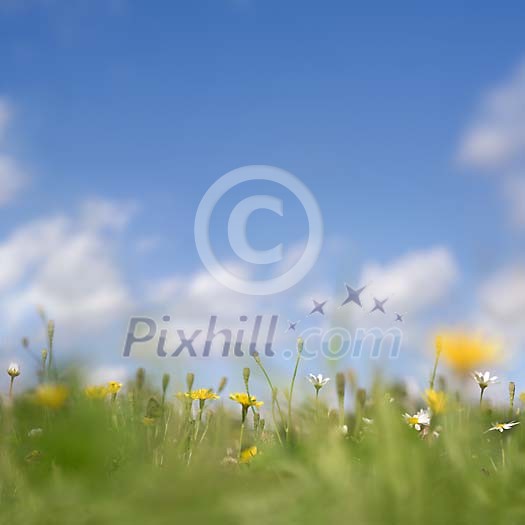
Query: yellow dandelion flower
[(465, 352), (437, 401), (96, 391), (245, 400), (51, 396), (247, 454), (114, 387), (202, 394)]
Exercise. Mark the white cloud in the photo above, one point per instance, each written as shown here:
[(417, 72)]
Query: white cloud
[(502, 296), (101, 214), (199, 295), (12, 179), (28, 245), (496, 139), (502, 307), (164, 290), (66, 266), (414, 281)]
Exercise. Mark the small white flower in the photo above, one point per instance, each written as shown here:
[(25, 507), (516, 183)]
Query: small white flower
[(35, 432), (503, 426), (484, 379), (344, 430), (13, 370), (419, 420), (318, 380)]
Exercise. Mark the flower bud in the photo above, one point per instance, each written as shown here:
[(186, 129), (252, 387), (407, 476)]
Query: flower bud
[(13, 370), (439, 344), (190, 378), (361, 397), (222, 384), (340, 385), (51, 330), (246, 375), (140, 378), (165, 382), (512, 392), (352, 380)]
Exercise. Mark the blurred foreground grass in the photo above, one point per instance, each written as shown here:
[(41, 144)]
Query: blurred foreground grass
[(137, 453)]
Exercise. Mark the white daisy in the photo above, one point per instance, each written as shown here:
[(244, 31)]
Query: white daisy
[(419, 420), (318, 380), (484, 379), (503, 426)]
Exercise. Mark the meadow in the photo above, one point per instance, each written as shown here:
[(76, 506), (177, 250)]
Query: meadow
[(141, 452)]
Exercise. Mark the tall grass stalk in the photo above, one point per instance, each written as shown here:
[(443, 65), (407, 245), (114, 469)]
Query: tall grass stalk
[(300, 344)]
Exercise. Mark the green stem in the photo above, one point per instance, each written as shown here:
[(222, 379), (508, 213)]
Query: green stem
[(270, 384), (199, 419), (433, 377), (244, 412), (289, 426), (276, 428), (249, 397)]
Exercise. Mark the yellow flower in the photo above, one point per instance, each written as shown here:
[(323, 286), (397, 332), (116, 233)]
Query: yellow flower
[(437, 401), (246, 401), (148, 421), (114, 387), (202, 394), (465, 352), (247, 454), (96, 391), (51, 396)]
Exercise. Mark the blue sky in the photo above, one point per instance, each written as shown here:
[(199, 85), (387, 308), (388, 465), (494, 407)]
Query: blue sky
[(375, 108)]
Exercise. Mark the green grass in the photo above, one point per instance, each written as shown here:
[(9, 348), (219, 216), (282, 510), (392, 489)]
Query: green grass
[(96, 461)]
